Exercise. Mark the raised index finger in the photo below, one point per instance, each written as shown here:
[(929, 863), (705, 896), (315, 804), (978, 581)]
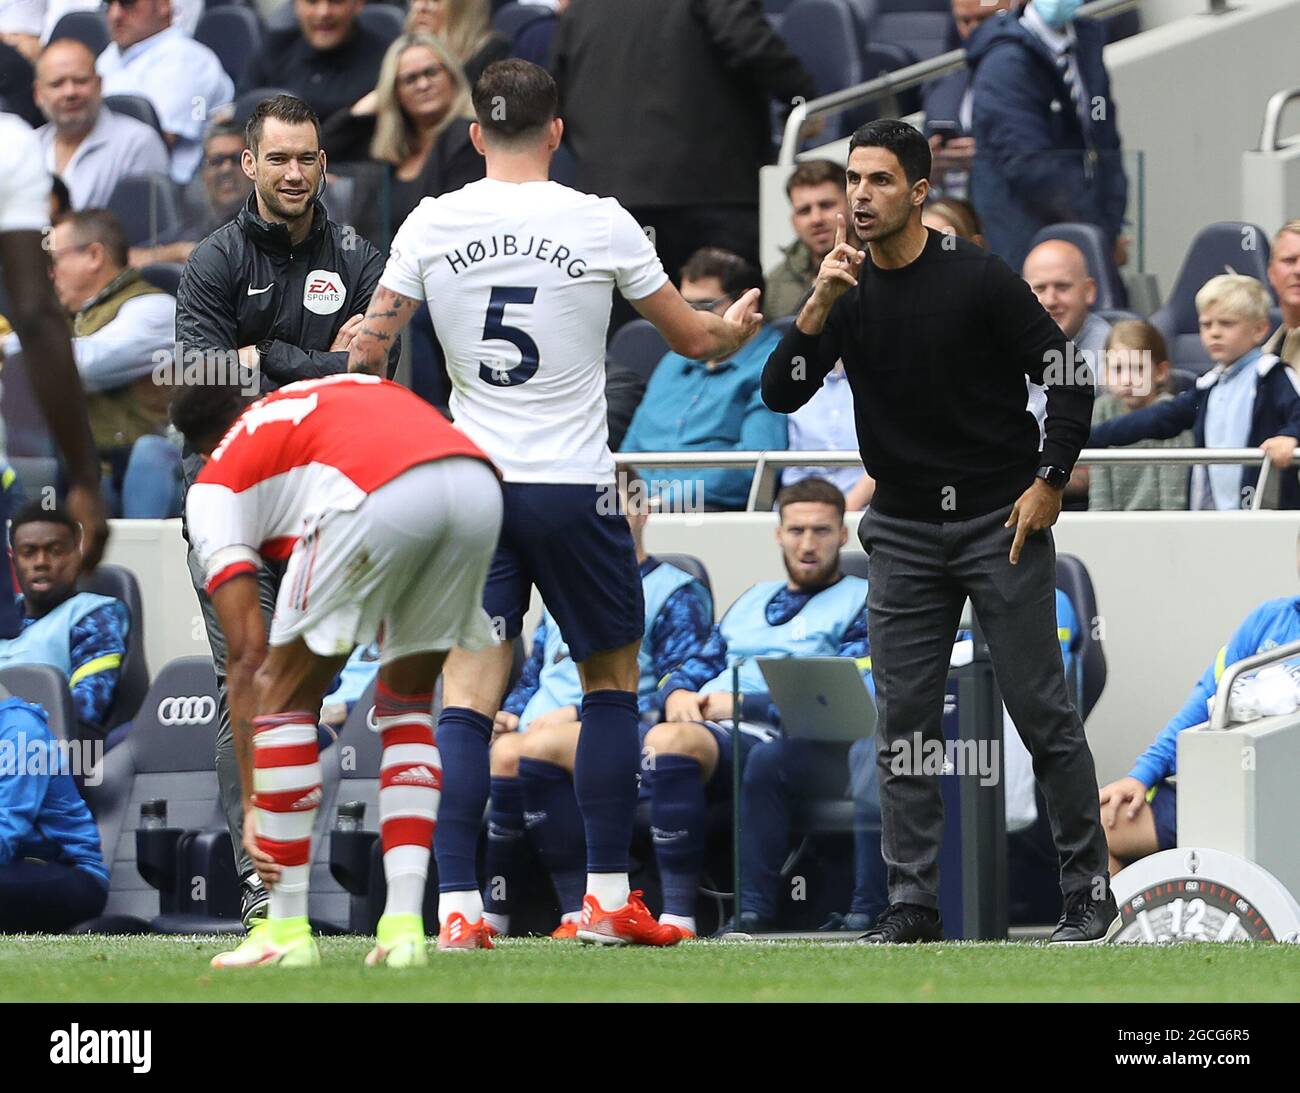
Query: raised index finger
[(839, 230)]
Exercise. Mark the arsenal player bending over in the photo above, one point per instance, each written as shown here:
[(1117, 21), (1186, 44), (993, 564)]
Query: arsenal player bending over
[(388, 517)]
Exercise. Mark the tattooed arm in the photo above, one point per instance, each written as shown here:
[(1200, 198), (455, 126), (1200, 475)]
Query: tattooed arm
[(388, 313)]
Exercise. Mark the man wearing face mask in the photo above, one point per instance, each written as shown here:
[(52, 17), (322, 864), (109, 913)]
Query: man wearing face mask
[(1044, 122), (284, 288)]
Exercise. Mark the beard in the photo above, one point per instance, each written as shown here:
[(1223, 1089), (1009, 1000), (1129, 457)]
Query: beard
[(819, 578)]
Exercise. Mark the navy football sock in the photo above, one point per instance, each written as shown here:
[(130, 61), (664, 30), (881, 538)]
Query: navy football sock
[(505, 845), (462, 737), (605, 777), (677, 814), (555, 827)]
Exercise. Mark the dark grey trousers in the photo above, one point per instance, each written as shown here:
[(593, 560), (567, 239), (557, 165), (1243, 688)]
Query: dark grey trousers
[(920, 576), (268, 588)]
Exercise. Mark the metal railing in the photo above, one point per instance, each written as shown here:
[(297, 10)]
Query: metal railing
[(762, 487), (1219, 716), (911, 76)]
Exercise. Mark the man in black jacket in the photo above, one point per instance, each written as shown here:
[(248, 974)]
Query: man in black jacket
[(644, 87), (284, 288), (937, 338)]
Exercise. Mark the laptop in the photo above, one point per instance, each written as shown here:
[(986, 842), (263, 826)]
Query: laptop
[(820, 698)]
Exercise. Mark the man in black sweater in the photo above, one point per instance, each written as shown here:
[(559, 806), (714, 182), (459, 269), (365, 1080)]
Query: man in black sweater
[(938, 338)]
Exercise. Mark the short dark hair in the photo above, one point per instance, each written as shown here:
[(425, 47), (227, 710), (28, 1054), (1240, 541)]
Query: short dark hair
[(100, 226), (286, 108), (813, 489), (203, 413), (736, 273), (905, 141), (514, 99), (35, 512), (815, 172), (62, 199), (223, 129)]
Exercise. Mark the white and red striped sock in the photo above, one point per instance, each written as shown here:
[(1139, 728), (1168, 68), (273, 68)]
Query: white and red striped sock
[(410, 786), (286, 797)]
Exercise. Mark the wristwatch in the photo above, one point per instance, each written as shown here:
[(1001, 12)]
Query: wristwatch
[(1056, 477)]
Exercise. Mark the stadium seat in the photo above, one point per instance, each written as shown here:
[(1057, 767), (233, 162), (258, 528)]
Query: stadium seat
[(825, 37), (88, 27), (137, 107), (168, 755), (238, 112), (148, 207), (163, 275), (1072, 578), (47, 687), (1180, 380), (133, 683), (35, 473), (1115, 315), (234, 34), (510, 19), (386, 20), (692, 565), (853, 563), (1097, 253), (24, 424), (1230, 246), (924, 34), (639, 346)]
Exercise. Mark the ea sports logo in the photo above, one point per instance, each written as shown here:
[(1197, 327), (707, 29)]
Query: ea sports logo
[(187, 710), (324, 292)]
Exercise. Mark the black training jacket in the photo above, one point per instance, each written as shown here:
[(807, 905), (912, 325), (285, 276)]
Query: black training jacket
[(246, 284)]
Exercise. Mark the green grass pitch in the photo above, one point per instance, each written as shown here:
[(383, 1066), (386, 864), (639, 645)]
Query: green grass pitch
[(114, 969)]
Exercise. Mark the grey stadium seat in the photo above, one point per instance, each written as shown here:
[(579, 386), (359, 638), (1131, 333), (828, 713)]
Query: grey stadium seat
[(1097, 254), (137, 107), (47, 687), (639, 346), (689, 563), (88, 27)]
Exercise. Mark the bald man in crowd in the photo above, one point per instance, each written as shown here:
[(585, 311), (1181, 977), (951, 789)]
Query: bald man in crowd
[(1058, 273), (85, 143)]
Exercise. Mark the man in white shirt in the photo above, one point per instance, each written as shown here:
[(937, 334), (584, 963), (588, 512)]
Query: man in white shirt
[(183, 79), (86, 144), (518, 273), (825, 423)]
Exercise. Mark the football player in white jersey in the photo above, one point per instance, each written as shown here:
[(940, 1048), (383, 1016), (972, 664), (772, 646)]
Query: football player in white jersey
[(518, 273), (35, 313)]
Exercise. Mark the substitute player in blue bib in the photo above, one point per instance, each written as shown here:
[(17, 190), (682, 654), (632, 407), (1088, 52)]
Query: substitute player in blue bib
[(518, 273)]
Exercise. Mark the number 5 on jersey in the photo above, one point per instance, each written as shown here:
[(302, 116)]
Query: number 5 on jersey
[(495, 328)]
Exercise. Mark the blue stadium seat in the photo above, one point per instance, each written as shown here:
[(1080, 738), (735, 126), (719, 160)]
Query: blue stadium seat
[(639, 346), (88, 27), (853, 563), (386, 20), (148, 207), (1229, 246), (163, 275), (825, 37), (238, 112), (133, 680), (924, 34), (234, 34), (1072, 578), (25, 431), (1097, 253), (135, 106), (1115, 315), (47, 687), (510, 19)]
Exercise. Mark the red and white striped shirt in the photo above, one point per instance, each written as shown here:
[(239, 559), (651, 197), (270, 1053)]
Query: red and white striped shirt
[(308, 449)]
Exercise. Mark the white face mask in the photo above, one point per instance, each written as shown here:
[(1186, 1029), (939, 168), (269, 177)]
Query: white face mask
[(1057, 13)]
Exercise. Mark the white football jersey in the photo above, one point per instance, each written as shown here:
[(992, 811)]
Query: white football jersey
[(24, 181), (518, 279)]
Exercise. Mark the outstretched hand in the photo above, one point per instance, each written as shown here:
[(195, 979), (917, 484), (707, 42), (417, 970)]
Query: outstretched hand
[(839, 269), (744, 318)]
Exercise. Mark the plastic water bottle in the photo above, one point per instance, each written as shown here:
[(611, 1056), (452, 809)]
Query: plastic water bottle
[(350, 815), (153, 814)]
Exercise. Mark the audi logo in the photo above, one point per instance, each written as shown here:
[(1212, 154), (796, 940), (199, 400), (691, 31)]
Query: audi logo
[(187, 710)]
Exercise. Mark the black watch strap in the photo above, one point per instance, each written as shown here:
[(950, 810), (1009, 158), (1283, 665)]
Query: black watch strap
[(1056, 477)]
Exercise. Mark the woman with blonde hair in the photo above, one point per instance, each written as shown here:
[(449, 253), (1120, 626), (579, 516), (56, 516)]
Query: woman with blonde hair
[(466, 27), (415, 126)]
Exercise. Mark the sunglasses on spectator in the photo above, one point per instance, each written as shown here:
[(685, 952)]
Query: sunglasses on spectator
[(215, 163), (412, 79)]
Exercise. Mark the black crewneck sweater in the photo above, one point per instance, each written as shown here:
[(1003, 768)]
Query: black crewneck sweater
[(936, 354)]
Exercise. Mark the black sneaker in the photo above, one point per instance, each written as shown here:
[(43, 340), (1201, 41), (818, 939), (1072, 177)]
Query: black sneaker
[(904, 924), (254, 899), (749, 923), (1087, 921)]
